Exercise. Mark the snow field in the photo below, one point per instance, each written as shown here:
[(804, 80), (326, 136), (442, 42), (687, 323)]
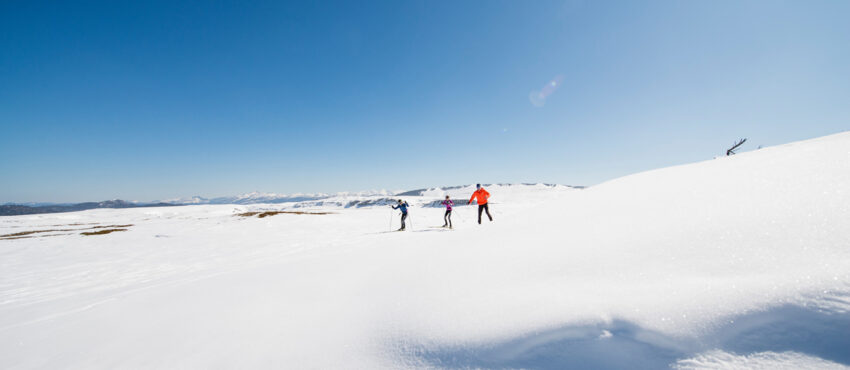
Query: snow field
[(685, 266)]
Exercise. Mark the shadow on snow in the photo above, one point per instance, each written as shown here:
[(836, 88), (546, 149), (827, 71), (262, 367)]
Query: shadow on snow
[(620, 344)]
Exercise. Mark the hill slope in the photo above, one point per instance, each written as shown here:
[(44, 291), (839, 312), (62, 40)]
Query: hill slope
[(742, 260)]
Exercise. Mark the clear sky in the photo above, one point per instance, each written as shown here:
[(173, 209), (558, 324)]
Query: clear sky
[(145, 100)]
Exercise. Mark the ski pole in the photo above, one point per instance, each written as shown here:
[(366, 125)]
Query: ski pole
[(391, 220)]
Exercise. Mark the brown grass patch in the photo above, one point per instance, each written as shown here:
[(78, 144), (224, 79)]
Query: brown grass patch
[(272, 213), (17, 237), (29, 234), (102, 232), (33, 236), (23, 233)]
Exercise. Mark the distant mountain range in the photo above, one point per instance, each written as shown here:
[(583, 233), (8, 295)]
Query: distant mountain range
[(271, 198), (11, 209), (248, 198), (22, 209), (419, 192)]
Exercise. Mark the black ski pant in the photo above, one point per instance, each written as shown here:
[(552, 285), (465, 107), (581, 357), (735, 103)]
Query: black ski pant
[(484, 207), (403, 217), (447, 218)]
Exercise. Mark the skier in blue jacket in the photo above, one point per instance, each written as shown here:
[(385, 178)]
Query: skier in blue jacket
[(402, 205)]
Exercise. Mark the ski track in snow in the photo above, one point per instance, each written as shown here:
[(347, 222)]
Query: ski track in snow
[(735, 262)]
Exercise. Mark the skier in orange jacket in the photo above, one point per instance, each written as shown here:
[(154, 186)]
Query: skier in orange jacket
[(481, 196)]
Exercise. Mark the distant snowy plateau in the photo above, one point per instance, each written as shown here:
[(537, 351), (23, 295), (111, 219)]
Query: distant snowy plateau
[(735, 262)]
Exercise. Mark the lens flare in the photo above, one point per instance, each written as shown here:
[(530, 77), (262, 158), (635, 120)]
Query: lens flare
[(538, 98)]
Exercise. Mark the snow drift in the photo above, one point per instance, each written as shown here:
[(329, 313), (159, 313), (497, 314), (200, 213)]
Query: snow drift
[(737, 261)]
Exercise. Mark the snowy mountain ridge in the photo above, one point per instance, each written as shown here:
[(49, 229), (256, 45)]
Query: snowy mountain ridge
[(297, 200), (276, 198)]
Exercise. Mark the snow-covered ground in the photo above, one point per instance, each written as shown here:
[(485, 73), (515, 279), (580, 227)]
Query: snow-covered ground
[(740, 261)]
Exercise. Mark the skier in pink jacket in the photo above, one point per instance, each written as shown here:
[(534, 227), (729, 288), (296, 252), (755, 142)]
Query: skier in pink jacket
[(447, 218)]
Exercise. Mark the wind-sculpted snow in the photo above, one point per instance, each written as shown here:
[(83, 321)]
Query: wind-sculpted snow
[(741, 261), (757, 361), (782, 337)]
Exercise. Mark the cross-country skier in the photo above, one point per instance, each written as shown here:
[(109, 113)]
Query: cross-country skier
[(402, 205), (481, 196), (447, 218)]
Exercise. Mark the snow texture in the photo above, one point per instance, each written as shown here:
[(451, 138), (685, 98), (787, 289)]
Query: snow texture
[(737, 262)]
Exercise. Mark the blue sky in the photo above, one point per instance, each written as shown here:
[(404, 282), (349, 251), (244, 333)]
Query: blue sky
[(153, 100)]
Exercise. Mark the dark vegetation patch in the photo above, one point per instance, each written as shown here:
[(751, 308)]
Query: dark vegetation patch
[(24, 233), (15, 237), (101, 232), (36, 233), (32, 236), (273, 213)]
